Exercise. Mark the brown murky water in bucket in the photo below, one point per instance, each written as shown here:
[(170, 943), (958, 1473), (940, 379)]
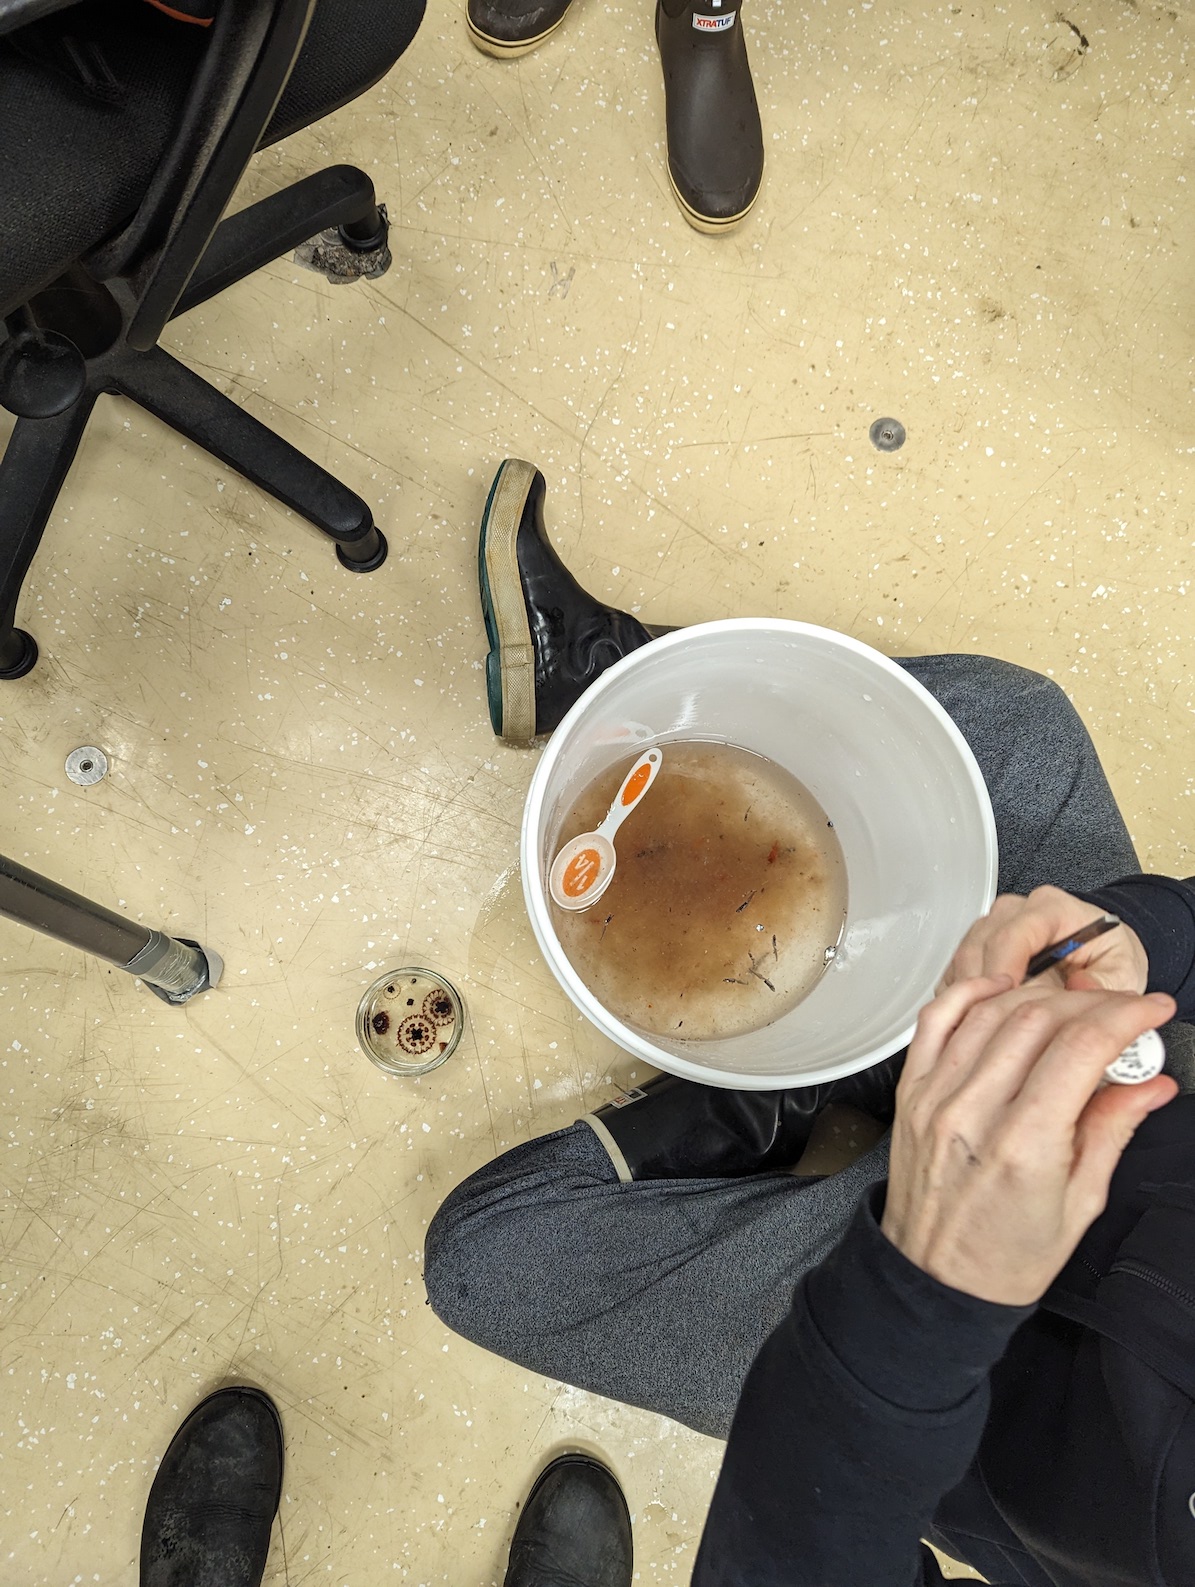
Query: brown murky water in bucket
[(728, 901)]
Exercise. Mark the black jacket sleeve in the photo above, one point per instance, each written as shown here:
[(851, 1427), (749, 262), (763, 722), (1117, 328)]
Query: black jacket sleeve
[(863, 1407), (1161, 911)]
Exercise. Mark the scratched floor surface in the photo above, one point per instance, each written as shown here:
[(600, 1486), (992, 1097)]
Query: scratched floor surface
[(978, 219)]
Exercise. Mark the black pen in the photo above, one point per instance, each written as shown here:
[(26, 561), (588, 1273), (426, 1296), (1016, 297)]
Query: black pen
[(1061, 950)]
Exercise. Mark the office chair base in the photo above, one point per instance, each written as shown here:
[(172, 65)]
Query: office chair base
[(71, 345), (42, 374), (18, 655)]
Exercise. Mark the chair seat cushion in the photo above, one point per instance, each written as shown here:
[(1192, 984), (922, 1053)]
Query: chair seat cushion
[(76, 162), (78, 159)]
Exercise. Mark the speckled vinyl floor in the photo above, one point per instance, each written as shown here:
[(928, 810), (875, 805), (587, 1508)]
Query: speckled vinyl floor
[(976, 218)]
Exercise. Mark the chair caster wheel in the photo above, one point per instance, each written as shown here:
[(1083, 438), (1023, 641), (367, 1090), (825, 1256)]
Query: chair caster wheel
[(18, 656), (373, 559)]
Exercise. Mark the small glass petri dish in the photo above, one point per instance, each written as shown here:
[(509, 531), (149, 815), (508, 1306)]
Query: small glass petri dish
[(409, 1021)]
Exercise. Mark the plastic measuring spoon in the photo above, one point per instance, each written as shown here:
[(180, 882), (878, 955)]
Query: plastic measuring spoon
[(584, 868)]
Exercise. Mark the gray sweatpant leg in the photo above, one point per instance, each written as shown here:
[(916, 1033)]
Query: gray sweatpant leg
[(659, 1293)]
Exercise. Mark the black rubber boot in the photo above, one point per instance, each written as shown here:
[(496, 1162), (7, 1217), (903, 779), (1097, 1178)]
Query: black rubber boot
[(215, 1496), (715, 140), (575, 1530), (670, 1128), (549, 638), (506, 28)]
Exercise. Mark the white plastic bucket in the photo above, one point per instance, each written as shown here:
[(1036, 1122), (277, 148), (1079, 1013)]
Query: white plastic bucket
[(887, 765)]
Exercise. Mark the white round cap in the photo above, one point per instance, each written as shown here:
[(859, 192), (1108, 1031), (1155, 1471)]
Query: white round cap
[(1139, 1062)]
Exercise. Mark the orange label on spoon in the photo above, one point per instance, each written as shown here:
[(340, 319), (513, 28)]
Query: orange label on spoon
[(580, 873), (635, 784)]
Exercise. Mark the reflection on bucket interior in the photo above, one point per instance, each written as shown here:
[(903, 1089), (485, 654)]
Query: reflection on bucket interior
[(729, 899)]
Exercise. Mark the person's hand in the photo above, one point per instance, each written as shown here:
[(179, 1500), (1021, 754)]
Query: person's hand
[(1003, 1145), (1016, 928)]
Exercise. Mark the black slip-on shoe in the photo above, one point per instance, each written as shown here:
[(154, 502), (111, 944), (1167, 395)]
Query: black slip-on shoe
[(575, 1530), (214, 1498), (715, 139), (549, 638), (506, 28)]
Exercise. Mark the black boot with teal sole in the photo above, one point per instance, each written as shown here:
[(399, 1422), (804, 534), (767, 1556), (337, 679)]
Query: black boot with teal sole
[(549, 638)]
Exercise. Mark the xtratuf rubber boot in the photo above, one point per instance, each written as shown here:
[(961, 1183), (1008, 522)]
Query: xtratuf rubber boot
[(549, 638), (506, 28), (715, 140)]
